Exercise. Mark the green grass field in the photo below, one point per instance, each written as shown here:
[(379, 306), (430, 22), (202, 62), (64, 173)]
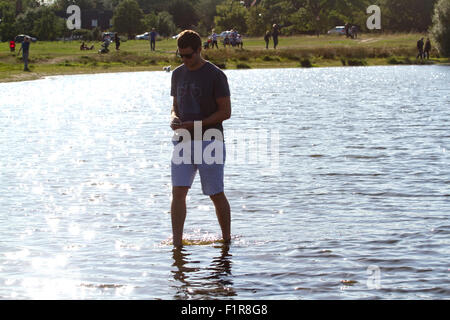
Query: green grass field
[(59, 58)]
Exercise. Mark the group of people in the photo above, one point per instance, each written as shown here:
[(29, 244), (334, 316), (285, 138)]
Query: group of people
[(275, 33), (106, 42), (233, 39), (423, 49), (351, 31)]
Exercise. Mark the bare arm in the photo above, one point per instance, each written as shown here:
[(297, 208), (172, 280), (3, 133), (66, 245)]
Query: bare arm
[(223, 112), (174, 120), (174, 111)]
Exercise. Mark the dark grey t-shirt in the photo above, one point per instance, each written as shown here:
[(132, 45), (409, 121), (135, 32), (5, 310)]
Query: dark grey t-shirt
[(197, 91)]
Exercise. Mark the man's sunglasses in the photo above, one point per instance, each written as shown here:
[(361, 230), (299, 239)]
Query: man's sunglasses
[(187, 56)]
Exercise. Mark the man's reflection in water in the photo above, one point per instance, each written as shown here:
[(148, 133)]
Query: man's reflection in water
[(214, 281)]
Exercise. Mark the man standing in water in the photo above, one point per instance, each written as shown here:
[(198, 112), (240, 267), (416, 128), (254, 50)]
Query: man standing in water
[(200, 93)]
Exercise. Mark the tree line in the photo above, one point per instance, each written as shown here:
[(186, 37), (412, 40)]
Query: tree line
[(249, 17)]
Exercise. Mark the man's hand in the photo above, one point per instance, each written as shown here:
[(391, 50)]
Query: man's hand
[(188, 125), (175, 123)]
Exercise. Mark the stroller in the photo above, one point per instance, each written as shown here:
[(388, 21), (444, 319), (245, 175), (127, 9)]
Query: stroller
[(105, 46)]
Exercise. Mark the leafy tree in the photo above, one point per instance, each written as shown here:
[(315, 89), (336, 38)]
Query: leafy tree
[(154, 5), (184, 14), (231, 14), (23, 5), (279, 11), (301, 21), (127, 18), (319, 14), (351, 11), (61, 5), (7, 16), (206, 10), (165, 25), (109, 4), (150, 21), (162, 22), (441, 26), (258, 21), (24, 21), (40, 22), (48, 26), (406, 15)]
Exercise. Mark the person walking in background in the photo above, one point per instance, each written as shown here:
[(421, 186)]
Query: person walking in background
[(347, 30), (267, 38), (420, 45), (233, 37), (200, 93), (275, 34), (153, 39), (214, 39), (354, 30), (25, 48), (240, 42), (427, 50), (117, 40)]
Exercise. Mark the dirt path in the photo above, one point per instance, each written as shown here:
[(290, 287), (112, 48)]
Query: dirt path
[(370, 40)]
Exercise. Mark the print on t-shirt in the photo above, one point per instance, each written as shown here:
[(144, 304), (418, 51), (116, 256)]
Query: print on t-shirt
[(189, 95)]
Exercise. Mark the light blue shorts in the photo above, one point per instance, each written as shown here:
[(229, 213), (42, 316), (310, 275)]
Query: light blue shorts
[(208, 157)]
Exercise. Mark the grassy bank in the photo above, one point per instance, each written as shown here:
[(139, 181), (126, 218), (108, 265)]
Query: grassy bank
[(59, 58)]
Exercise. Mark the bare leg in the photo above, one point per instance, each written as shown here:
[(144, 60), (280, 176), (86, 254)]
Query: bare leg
[(178, 213), (223, 214)]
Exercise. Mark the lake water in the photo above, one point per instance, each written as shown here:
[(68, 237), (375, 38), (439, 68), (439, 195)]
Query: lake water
[(353, 203)]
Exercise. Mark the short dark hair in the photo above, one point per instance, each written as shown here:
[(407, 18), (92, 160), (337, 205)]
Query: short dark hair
[(189, 38)]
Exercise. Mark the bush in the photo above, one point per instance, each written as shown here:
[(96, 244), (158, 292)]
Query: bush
[(441, 27), (393, 60), (356, 62), (221, 65), (305, 63), (82, 34), (243, 66), (329, 54)]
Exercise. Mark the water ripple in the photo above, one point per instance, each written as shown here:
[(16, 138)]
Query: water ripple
[(360, 193)]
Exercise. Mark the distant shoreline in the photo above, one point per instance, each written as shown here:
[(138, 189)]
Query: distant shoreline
[(37, 76), (65, 58)]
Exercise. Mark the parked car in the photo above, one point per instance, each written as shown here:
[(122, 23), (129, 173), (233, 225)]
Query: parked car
[(340, 30), (223, 34), (144, 36), (20, 37)]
